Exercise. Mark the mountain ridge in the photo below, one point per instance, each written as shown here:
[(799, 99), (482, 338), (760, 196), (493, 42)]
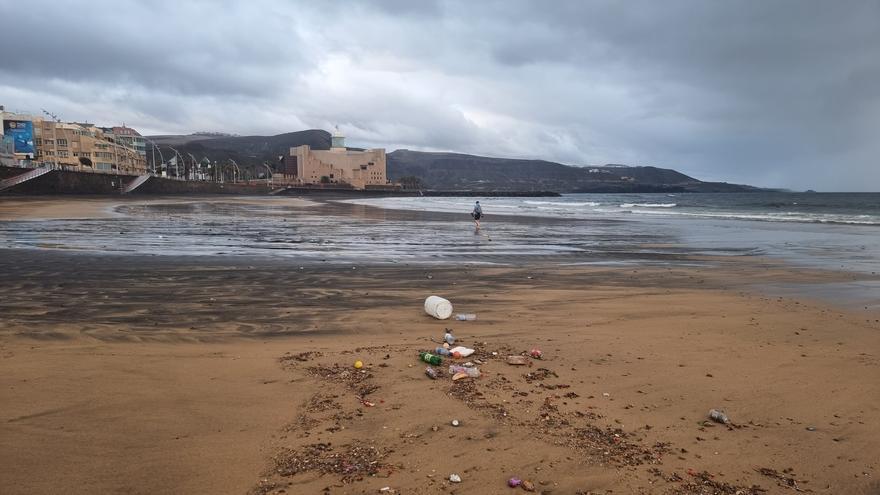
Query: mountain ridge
[(451, 170)]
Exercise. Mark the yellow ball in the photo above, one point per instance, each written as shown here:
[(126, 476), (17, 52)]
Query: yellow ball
[(358, 364)]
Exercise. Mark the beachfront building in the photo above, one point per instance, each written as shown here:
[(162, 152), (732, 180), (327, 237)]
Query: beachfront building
[(70, 145), (338, 165), (128, 137)]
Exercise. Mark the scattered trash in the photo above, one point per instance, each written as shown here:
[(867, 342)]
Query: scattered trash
[(471, 372), (464, 351), (811, 428), (465, 317), (455, 478), (606, 394), (517, 360), (387, 489), (432, 373), (536, 353), (448, 337), (455, 422), (438, 307), (456, 354), (468, 364), (442, 351), (528, 486), (358, 364), (718, 416), (430, 358), (367, 403), (514, 482)]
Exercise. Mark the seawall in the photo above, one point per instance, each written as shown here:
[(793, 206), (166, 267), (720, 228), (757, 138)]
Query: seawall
[(92, 183)]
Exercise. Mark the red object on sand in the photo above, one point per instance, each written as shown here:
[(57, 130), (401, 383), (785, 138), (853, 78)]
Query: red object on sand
[(535, 353), (456, 355)]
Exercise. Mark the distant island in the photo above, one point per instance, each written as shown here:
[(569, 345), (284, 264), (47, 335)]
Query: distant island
[(453, 171)]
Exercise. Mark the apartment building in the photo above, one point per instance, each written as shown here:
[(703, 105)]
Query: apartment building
[(78, 146)]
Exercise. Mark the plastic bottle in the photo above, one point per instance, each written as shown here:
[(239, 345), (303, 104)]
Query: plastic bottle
[(430, 358), (465, 317), (471, 372), (449, 338), (718, 416), (440, 351), (431, 372)]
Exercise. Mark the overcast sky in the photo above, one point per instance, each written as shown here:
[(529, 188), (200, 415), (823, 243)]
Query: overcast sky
[(766, 92)]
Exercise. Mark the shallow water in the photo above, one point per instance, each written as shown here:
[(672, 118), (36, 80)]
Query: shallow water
[(339, 232)]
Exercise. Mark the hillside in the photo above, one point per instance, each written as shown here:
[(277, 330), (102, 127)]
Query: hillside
[(446, 171), (249, 152), (453, 171)]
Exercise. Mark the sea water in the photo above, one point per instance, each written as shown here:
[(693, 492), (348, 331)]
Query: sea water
[(835, 231)]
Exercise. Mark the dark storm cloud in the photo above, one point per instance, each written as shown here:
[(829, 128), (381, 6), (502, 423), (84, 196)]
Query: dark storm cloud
[(777, 93)]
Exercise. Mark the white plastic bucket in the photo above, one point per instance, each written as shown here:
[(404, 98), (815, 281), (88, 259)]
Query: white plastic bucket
[(438, 307)]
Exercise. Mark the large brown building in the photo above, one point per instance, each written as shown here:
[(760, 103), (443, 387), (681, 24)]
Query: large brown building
[(76, 146), (338, 165)]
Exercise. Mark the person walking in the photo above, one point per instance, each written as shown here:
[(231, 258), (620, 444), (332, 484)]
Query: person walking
[(477, 214)]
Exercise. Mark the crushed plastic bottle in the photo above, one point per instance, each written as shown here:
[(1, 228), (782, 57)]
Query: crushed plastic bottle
[(465, 317), (718, 416), (448, 337), (432, 373), (471, 372), (441, 351)]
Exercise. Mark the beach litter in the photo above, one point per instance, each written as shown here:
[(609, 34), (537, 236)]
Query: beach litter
[(718, 416), (358, 364), (438, 307), (430, 358), (455, 478), (514, 482), (528, 486), (465, 317), (462, 351), (455, 422), (432, 373), (463, 370), (517, 360), (536, 353)]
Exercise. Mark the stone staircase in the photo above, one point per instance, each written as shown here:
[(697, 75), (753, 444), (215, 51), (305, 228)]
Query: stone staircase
[(18, 179)]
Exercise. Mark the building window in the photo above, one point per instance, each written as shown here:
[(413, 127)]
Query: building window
[(50, 142), (62, 142), (62, 154)]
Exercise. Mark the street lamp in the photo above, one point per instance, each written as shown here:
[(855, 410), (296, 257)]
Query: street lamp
[(155, 148), (177, 163), (235, 170), (269, 176)]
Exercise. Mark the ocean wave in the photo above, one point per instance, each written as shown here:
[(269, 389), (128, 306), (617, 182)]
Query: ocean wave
[(648, 205), (559, 203), (794, 217)]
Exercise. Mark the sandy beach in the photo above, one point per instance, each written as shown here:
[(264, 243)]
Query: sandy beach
[(184, 374)]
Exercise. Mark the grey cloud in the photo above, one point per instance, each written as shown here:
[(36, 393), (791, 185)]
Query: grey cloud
[(777, 93)]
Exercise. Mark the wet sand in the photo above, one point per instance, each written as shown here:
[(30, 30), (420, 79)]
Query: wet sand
[(52, 208), (165, 374)]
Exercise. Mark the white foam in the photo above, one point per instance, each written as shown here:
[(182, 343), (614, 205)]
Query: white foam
[(648, 205)]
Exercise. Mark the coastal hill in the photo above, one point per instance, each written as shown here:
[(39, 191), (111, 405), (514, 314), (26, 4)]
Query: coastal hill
[(451, 171), (454, 171)]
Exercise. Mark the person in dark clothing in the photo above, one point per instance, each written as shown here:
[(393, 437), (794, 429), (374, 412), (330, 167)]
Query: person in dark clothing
[(477, 214)]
